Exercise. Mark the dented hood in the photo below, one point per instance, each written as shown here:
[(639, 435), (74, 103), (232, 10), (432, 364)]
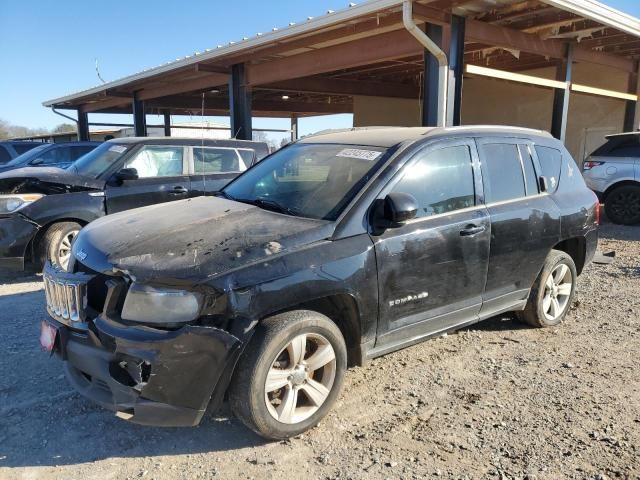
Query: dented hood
[(191, 240), (45, 180)]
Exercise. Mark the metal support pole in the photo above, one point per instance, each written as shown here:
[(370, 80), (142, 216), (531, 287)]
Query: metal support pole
[(240, 103), (631, 119), (294, 127), (431, 79), (167, 124), (139, 117), (83, 126), (561, 97), (456, 70)]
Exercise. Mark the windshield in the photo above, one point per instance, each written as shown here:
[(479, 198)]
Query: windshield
[(99, 160), (309, 180), (26, 157)]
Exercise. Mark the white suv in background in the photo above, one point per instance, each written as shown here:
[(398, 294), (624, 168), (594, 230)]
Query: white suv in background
[(613, 172)]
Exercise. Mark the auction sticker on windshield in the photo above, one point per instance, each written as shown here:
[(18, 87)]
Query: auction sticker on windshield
[(358, 153), (117, 148)]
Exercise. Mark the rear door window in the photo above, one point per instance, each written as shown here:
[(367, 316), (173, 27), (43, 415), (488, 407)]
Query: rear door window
[(77, 152), (550, 162), (440, 180), (23, 148), (53, 156), (216, 160), (502, 172)]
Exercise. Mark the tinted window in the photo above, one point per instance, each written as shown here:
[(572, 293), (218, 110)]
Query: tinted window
[(157, 161), (24, 148), (52, 156), (619, 146), (502, 174), (216, 160), (550, 161), (77, 152), (530, 176), (4, 155), (247, 156), (626, 151), (440, 180)]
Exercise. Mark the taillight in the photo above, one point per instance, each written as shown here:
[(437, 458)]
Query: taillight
[(598, 212), (589, 164)]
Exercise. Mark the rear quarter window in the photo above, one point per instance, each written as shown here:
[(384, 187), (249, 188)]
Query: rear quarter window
[(551, 164)]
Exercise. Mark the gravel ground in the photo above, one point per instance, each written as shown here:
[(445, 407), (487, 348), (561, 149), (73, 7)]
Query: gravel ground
[(498, 400)]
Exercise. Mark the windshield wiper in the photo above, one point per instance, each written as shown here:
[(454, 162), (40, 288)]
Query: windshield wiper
[(269, 204), (222, 194)]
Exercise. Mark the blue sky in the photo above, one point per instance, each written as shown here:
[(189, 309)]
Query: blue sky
[(49, 48)]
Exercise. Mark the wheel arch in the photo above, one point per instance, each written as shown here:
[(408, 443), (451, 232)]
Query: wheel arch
[(576, 248), (342, 309), (32, 249)]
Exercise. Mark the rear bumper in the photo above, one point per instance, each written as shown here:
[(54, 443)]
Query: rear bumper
[(591, 246), (16, 232), (145, 375)]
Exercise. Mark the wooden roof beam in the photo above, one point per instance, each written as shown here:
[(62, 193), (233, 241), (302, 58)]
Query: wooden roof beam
[(379, 48), (495, 35), (345, 87)]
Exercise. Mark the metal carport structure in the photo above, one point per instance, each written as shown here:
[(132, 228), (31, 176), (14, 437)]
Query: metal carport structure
[(329, 64)]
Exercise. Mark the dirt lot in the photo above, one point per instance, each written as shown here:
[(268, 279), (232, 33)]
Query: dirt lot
[(498, 400)]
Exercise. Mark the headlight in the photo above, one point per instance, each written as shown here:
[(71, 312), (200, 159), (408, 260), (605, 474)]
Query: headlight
[(158, 305), (13, 203)]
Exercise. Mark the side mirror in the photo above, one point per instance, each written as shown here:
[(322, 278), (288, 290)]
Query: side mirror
[(126, 174), (395, 210), (543, 183)]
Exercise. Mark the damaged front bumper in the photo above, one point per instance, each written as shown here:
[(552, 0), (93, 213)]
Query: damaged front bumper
[(16, 232), (146, 375)]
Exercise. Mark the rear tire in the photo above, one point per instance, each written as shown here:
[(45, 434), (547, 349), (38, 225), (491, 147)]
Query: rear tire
[(290, 375), (622, 205), (57, 241), (552, 293)]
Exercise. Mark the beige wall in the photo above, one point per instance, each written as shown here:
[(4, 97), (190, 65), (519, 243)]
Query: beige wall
[(379, 111), (491, 101)]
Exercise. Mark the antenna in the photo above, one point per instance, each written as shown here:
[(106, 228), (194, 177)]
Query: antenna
[(204, 179), (98, 72)]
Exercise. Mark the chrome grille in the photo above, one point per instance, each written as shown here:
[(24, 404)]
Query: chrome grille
[(66, 295)]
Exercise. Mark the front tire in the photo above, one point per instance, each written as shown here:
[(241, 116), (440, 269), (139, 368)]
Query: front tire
[(57, 241), (290, 375), (622, 205), (553, 291)]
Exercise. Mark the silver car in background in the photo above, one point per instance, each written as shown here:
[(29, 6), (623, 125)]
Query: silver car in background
[(612, 171)]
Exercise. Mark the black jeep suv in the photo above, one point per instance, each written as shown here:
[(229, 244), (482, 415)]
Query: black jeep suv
[(333, 250), (42, 209)]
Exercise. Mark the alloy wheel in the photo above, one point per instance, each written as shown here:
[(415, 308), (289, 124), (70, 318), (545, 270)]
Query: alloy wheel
[(64, 249), (300, 378), (626, 204), (557, 292)]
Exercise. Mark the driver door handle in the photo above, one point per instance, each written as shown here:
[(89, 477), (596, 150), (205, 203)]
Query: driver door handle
[(471, 230), (178, 190)]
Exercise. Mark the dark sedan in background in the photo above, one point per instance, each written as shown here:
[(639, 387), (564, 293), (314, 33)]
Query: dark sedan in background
[(10, 149), (59, 155)]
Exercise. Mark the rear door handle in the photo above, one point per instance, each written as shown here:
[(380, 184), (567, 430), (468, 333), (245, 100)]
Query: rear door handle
[(471, 230), (178, 190)]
